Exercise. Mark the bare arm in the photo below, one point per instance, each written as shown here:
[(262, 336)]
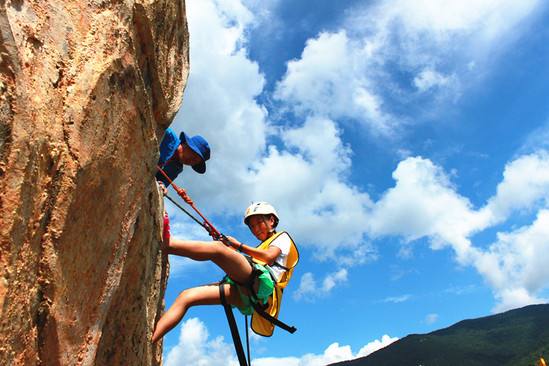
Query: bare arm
[(265, 255)]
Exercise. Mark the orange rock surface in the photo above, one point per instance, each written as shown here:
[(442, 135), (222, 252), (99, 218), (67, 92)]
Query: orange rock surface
[(86, 91)]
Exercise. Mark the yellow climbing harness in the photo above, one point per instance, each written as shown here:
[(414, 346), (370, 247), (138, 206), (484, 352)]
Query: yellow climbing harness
[(260, 324)]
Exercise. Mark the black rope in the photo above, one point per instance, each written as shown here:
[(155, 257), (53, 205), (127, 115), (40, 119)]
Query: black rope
[(222, 237), (187, 212)]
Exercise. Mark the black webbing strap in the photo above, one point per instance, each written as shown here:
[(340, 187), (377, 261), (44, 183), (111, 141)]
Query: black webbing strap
[(260, 311), (234, 329), (247, 339)]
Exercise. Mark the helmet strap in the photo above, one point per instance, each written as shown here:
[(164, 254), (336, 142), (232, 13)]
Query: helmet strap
[(273, 229)]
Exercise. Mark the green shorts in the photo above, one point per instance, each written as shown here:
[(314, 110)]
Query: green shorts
[(264, 290)]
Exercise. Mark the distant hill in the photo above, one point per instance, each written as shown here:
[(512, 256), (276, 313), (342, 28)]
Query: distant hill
[(514, 338)]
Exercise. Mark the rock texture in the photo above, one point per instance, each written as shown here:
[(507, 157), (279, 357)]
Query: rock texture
[(86, 90)]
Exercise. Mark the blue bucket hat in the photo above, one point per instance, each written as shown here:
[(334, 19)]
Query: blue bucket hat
[(199, 145)]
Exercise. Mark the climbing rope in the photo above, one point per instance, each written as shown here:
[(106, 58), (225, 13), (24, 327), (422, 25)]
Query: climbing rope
[(207, 225)]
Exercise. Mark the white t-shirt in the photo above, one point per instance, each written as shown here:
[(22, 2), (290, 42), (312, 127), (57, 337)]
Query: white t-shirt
[(283, 242)]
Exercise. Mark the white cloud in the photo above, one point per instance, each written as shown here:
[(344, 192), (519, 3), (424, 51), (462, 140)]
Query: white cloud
[(537, 140), (423, 203), (428, 79), (332, 279), (310, 185), (307, 287), (329, 80), (195, 348), (334, 353), (263, 10), (182, 226), (460, 290), (220, 101), (431, 318), (516, 265), (491, 18), (397, 299), (366, 68), (310, 289), (525, 184), (431, 32), (376, 345)]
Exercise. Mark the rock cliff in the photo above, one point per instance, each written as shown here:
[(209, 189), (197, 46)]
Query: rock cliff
[(86, 91)]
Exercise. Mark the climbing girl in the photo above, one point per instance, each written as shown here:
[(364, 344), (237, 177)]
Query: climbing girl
[(253, 273)]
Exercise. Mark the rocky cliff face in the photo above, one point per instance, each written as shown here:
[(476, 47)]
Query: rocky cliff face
[(86, 90)]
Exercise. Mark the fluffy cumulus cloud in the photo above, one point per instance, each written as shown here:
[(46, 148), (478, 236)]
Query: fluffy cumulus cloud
[(308, 182), (386, 53), (310, 289), (220, 97), (333, 353), (376, 345), (525, 185), (515, 265), (196, 348), (423, 203), (330, 80)]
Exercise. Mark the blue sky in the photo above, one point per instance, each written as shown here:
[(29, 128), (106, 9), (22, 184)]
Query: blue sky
[(405, 146)]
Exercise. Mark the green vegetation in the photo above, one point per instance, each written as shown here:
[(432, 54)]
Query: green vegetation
[(514, 338)]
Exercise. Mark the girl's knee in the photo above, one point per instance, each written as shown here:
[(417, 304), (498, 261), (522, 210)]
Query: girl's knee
[(188, 297), (183, 300), (220, 249)]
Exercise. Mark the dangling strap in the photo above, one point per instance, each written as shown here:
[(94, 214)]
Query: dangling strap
[(234, 329), (261, 312), (247, 339)]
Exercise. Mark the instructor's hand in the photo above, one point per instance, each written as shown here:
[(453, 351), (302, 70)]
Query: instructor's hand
[(163, 188), (183, 194)]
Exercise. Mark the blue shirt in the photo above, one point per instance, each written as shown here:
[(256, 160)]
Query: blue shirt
[(169, 144), (172, 167)]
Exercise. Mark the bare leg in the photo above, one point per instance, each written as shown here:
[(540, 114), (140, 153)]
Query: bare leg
[(231, 262), (203, 295)]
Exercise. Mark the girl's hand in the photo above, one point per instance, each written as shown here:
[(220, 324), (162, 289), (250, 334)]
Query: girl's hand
[(234, 243)]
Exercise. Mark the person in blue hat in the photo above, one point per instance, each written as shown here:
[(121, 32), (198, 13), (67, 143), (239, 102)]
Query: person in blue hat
[(175, 152)]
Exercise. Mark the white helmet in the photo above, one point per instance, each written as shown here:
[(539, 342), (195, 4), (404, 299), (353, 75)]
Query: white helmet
[(260, 208)]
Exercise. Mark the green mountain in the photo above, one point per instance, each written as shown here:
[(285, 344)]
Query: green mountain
[(514, 338)]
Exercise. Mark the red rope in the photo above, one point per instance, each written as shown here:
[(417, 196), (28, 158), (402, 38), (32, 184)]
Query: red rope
[(183, 194)]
